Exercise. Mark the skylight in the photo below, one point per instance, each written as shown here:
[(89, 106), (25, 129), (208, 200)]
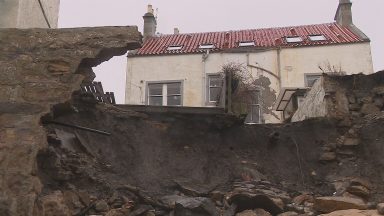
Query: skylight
[(295, 39), (246, 43), (317, 37), (206, 46), (174, 47)]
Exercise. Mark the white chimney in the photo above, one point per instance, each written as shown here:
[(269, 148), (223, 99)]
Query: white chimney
[(343, 15), (150, 23), (176, 31)]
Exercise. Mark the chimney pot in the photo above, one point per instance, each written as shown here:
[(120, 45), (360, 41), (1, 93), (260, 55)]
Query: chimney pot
[(150, 9)]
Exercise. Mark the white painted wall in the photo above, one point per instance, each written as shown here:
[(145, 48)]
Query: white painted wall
[(351, 58), (294, 63), (28, 13)]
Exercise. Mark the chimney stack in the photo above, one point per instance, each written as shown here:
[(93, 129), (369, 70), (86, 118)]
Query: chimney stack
[(150, 23), (176, 31), (343, 15)]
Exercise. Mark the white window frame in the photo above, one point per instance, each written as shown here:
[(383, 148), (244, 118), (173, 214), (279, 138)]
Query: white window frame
[(319, 37), (206, 46), (174, 47), (294, 39), (252, 104), (164, 94), (246, 43), (208, 96)]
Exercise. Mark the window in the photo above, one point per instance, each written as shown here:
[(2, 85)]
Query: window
[(174, 47), (317, 38), (295, 39), (206, 46), (246, 43), (310, 79), (164, 94), (254, 108), (215, 85)]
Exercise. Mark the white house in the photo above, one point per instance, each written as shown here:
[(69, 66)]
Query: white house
[(182, 69)]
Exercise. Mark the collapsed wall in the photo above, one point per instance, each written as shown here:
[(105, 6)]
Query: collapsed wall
[(38, 69)]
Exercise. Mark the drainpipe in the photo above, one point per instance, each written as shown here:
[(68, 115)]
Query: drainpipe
[(279, 74), (204, 78)]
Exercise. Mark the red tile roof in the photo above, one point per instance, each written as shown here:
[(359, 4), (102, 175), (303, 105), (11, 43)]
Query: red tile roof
[(263, 38)]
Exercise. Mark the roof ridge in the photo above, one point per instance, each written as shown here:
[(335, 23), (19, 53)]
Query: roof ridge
[(239, 30)]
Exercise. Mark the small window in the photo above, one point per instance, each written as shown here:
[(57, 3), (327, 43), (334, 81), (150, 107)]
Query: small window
[(215, 84), (317, 38), (206, 46), (294, 39), (254, 109), (164, 94), (310, 79), (246, 43), (174, 47)]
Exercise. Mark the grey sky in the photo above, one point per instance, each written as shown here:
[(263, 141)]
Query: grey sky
[(215, 15)]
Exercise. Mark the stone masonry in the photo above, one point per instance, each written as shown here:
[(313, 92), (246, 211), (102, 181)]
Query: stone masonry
[(38, 69)]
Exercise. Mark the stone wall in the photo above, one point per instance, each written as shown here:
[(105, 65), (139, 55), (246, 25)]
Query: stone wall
[(341, 96), (38, 69)]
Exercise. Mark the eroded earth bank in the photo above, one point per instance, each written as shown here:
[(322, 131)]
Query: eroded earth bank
[(173, 162)]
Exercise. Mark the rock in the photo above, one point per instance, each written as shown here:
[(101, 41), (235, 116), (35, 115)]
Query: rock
[(191, 188), (141, 209), (101, 206), (379, 102), (290, 213), (354, 107), (54, 205), (330, 204), (73, 202), (359, 190), (217, 195), (352, 212), (328, 156), (299, 200), (115, 212), (256, 212), (198, 206), (369, 108), (171, 200), (378, 90), (351, 142), (254, 201), (380, 208)]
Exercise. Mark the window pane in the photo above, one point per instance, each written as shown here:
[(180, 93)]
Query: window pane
[(311, 79), (214, 94), (253, 115), (155, 89), (255, 97), (156, 101), (215, 81), (174, 100), (256, 114), (173, 88)]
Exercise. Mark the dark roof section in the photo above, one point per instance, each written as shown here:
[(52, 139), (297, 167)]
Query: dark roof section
[(263, 38)]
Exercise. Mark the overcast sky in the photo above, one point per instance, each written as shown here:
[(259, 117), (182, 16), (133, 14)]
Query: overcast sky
[(214, 15)]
